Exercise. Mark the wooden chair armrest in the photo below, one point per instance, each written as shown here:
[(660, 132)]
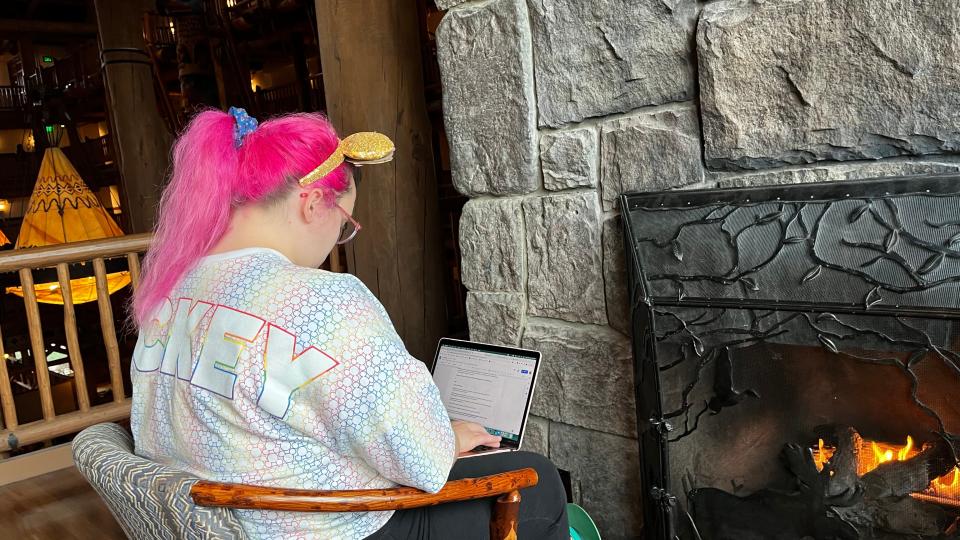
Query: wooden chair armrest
[(205, 493)]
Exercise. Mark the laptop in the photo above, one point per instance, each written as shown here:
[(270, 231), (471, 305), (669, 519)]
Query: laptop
[(487, 384)]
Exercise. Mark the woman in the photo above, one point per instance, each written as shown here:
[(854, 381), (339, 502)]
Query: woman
[(254, 367)]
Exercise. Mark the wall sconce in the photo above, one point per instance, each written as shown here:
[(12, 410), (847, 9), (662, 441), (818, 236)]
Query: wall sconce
[(256, 81), (4, 206), (29, 145)]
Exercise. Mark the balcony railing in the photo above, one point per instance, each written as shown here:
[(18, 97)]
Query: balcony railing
[(279, 99), (159, 30), (287, 98), (13, 434), (77, 71), (317, 93), (12, 98)]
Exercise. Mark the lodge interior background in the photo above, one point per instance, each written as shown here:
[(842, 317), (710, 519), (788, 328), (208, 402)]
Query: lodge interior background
[(261, 55)]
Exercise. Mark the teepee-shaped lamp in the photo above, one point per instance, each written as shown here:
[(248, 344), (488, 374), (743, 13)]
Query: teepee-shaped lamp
[(63, 209)]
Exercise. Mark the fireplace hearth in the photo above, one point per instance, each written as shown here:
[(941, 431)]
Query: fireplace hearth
[(797, 359)]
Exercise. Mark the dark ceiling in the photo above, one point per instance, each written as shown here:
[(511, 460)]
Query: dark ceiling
[(47, 10), (39, 11)]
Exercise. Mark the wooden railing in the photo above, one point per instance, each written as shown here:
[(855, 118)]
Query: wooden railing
[(279, 99), (318, 94), (12, 97), (78, 70), (91, 152), (287, 98), (96, 252), (159, 30)]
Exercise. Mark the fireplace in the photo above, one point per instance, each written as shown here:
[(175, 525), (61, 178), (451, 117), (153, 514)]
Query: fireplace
[(797, 359)]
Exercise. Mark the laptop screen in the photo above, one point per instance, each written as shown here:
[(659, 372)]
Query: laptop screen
[(488, 385)]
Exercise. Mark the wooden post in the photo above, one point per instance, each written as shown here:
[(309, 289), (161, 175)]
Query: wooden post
[(36, 343), (109, 330), (503, 524), (141, 138), (73, 338), (133, 263), (31, 78), (6, 393), (302, 71), (198, 78), (373, 79), (28, 59)]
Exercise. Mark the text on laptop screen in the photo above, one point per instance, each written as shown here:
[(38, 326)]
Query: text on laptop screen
[(488, 388)]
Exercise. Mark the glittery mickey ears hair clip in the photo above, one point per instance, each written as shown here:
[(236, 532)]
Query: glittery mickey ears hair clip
[(245, 125), (364, 148)]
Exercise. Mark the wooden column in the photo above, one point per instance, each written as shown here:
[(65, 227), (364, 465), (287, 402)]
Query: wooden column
[(302, 71), (31, 77), (140, 135), (28, 59), (372, 74), (198, 78)]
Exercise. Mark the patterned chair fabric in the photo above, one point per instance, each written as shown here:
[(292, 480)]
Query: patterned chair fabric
[(149, 500)]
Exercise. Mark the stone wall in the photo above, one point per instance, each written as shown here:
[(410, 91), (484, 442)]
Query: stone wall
[(555, 107)]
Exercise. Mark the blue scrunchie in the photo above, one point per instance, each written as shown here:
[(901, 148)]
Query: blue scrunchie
[(244, 126)]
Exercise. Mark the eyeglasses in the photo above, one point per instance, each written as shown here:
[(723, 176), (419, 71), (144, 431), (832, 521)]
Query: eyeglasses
[(350, 227)]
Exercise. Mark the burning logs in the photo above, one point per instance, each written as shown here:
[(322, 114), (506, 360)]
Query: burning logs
[(885, 494), (770, 513), (842, 485), (847, 487)]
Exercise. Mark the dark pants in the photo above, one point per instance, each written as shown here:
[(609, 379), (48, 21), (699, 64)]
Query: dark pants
[(543, 507)]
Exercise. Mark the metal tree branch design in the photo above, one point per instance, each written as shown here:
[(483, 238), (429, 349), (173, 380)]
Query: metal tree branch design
[(802, 223), (707, 338), (863, 238), (773, 321)]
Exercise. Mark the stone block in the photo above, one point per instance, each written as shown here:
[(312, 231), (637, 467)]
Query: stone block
[(615, 280), (492, 244), (806, 175), (795, 81), (488, 102), (586, 376), (496, 317), (606, 470), (564, 268), (447, 4), (598, 58), (841, 171), (650, 152), (569, 159), (536, 439)]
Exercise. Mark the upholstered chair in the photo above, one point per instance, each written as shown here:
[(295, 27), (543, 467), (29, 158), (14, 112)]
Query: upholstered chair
[(153, 501)]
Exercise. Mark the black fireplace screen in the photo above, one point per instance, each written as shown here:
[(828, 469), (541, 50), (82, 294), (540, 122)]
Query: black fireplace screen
[(796, 359)]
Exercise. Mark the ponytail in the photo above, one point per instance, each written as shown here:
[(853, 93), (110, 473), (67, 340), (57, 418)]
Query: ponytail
[(194, 208), (211, 175)]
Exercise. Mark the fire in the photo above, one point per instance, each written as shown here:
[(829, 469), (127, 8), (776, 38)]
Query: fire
[(882, 453), (873, 454), (822, 455)]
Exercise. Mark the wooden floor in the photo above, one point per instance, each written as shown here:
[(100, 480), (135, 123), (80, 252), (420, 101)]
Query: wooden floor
[(59, 506)]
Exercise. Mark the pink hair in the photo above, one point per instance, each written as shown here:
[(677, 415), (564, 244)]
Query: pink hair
[(211, 177)]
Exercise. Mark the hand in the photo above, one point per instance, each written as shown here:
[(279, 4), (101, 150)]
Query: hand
[(470, 435)]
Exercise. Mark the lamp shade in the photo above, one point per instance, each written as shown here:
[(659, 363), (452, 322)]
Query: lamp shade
[(63, 209), (82, 290)]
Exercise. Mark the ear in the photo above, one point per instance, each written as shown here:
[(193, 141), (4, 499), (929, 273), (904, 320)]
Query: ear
[(311, 205)]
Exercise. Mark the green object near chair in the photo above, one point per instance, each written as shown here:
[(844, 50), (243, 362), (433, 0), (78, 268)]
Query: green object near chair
[(581, 526)]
